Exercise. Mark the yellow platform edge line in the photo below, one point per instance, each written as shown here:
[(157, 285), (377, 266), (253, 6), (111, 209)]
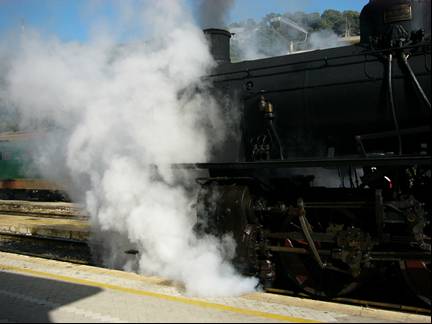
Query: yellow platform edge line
[(183, 300)]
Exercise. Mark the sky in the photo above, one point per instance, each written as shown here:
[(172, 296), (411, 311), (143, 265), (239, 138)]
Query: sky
[(73, 20)]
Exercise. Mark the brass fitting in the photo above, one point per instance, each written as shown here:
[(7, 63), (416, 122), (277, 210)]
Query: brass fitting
[(268, 109)]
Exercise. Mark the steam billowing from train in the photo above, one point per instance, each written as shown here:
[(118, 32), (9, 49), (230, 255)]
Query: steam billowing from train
[(212, 14), (116, 117)]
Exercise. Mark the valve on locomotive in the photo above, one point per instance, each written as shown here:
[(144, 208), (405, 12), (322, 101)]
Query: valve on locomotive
[(267, 145)]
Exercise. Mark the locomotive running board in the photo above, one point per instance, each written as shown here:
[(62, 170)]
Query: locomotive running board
[(297, 163)]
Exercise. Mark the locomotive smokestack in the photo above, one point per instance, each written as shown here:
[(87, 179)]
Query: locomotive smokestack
[(219, 41)]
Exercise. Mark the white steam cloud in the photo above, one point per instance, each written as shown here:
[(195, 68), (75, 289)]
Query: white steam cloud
[(325, 39), (117, 117), (248, 42), (213, 13)]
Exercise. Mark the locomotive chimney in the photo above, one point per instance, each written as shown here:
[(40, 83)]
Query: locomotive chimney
[(219, 41)]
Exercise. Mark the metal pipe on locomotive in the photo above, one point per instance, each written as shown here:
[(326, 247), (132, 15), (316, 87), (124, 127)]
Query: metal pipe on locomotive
[(329, 179)]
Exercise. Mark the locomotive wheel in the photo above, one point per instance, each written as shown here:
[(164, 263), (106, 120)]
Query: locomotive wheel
[(417, 275), (304, 272), (226, 209)]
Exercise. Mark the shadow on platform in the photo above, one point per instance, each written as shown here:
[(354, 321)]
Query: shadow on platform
[(29, 299)]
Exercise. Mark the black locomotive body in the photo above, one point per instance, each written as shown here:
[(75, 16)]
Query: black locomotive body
[(329, 179)]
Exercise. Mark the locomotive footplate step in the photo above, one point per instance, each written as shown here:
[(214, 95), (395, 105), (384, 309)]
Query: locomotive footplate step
[(64, 292)]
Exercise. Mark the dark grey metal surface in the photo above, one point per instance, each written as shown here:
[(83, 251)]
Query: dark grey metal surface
[(293, 163)]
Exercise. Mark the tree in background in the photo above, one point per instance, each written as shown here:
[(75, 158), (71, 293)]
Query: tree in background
[(353, 22), (334, 20)]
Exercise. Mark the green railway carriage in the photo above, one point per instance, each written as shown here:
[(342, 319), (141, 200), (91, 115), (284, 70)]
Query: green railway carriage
[(14, 156), (19, 178)]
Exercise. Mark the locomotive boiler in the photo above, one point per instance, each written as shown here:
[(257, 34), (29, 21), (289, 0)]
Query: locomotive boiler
[(328, 181)]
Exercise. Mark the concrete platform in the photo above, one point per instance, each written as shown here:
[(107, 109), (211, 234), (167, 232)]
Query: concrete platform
[(39, 290), (64, 228)]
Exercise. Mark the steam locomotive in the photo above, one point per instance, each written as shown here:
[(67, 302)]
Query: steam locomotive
[(329, 179)]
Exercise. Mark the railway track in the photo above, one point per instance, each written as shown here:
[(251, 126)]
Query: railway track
[(39, 240), (52, 230), (68, 250)]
